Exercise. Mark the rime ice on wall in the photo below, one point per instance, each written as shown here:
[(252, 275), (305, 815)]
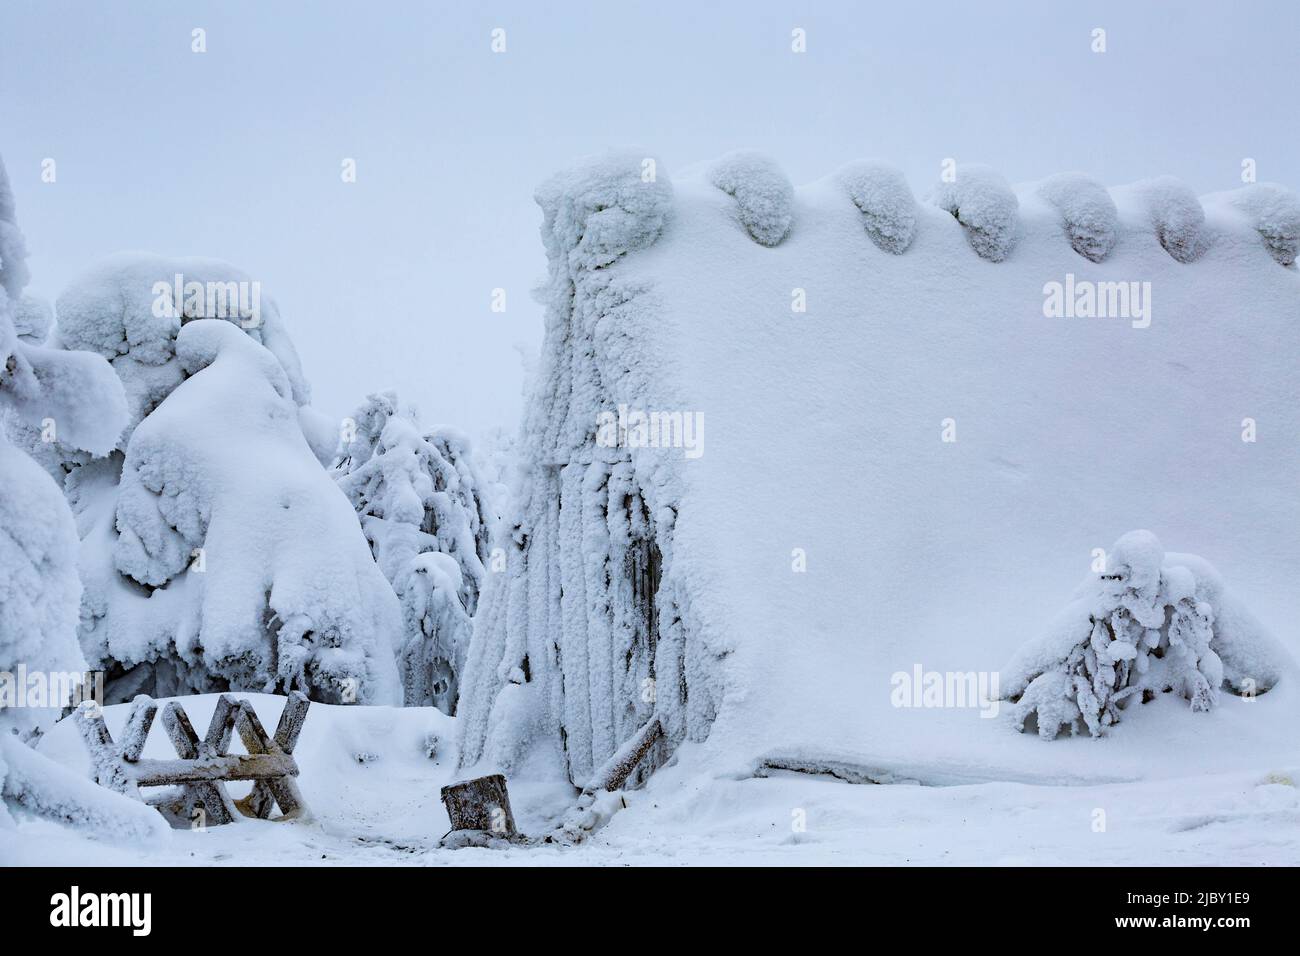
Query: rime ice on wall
[(581, 638), (1151, 623), (420, 500)]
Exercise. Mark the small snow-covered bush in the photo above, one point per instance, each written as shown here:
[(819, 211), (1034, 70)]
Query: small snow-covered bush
[(762, 192), (1089, 214), (889, 210), (980, 199), (1276, 211), (420, 501), (1151, 623)]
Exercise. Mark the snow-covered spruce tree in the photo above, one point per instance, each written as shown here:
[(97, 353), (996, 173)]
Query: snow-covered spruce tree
[(1151, 623), (232, 559), (421, 504), (239, 609), (68, 393), (127, 309), (39, 590)]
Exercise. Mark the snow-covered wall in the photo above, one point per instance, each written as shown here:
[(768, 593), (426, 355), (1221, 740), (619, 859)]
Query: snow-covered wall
[(907, 463)]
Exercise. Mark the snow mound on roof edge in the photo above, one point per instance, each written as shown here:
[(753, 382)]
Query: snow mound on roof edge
[(1089, 215), (1275, 212), (763, 193), (1175, 214), (881, 193), (982, 201)]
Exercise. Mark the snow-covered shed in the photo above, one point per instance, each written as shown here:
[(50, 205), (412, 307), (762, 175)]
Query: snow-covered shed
[(924, 418)]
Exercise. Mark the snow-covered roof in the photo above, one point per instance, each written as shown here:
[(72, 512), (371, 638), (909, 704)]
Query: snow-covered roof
[(824, 434)]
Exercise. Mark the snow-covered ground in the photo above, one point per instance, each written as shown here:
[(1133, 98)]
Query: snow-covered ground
[(374, 794)]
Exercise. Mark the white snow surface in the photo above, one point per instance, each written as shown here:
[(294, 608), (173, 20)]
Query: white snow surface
[(373, 796)]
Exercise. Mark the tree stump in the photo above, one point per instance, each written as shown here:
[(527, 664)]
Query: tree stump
[(481, 804)]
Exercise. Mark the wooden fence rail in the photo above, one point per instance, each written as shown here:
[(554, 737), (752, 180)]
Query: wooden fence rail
[(202, 766)]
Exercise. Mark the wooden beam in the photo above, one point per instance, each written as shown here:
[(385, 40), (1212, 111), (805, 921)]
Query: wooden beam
[(202, 767), (161, 773), (614, 772)]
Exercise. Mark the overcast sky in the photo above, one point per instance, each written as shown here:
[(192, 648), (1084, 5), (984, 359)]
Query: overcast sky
[(236, 153)]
